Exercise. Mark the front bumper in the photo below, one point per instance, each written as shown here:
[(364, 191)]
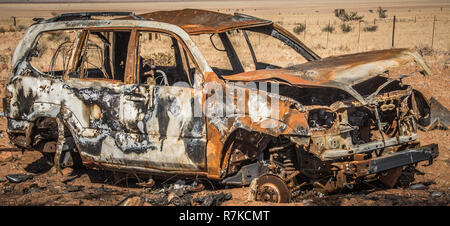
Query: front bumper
[(403, 158), (391, 161)]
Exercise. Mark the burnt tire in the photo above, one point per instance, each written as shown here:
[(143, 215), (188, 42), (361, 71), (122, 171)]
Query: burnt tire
[(271, 188)]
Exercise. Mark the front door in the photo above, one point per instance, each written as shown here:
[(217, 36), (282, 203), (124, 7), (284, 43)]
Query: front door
[(159, 110)]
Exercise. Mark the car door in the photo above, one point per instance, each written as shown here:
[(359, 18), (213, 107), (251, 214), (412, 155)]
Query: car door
[(95, 83), (158, 111), (118, 119)]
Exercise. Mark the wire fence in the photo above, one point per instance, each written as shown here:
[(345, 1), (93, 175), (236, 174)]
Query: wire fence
[(374, 33)]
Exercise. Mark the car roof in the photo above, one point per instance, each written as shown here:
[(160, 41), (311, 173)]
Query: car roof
[(197, 21), (193, 21)]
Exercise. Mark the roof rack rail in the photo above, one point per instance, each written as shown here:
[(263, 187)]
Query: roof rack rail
[(88, 15), (250, 17)]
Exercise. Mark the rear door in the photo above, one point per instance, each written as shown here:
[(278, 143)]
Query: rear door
[(134, 101)]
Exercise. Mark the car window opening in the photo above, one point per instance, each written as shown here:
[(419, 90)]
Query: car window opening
[(163, 61), (103, 55)]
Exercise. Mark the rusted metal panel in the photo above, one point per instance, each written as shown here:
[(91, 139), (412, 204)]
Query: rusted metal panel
[(346, 69), (197, 21)]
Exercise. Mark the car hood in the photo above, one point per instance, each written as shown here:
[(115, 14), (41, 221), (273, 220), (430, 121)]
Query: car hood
[(336, 71)]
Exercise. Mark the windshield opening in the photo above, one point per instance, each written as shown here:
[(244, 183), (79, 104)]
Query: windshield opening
[(244, 50)]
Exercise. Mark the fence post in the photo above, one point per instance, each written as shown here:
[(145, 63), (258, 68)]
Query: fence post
[(393, 33), (432, 34), (304, 32), (14, 21), (328, 33), (359, 32)]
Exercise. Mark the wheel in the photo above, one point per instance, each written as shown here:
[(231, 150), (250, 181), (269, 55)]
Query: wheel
[(270, 188)]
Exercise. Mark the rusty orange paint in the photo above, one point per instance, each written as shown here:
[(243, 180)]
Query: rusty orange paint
[(321, 72), (216, 157), (197, 21), (130, 67)]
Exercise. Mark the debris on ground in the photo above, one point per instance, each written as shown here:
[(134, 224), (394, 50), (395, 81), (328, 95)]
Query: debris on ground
[(419, 186), (176, 194), (18, 178), (71, 188), (150, 183), (6, 156), (213, 199), (179, 188), (131, 200), (437, 194)]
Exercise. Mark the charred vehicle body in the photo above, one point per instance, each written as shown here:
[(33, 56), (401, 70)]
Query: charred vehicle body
[(105, 101)]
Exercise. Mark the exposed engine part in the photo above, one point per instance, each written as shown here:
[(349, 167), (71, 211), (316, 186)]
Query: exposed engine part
[(363, 119), (311, 166), (321, 118)]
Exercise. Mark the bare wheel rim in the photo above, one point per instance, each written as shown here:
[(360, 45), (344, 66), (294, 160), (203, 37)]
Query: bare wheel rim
[(271, 188)]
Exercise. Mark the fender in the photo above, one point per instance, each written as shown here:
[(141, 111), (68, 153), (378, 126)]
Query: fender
[(289, 118)]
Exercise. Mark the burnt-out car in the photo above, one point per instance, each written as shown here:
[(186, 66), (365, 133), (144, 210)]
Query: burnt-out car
[(232, 98)]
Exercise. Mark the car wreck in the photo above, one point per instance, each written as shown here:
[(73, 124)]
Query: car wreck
[(139, 93)]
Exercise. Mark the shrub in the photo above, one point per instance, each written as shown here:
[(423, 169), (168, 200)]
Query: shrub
[(56, 36), (2, 30), (344, 16), (4, 59), (21, 27), (425, 50), (370, 28), (299, 28), (329, 28), (41, 48), (319, 46), (163, 59), (346, 28), (381, 12)]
